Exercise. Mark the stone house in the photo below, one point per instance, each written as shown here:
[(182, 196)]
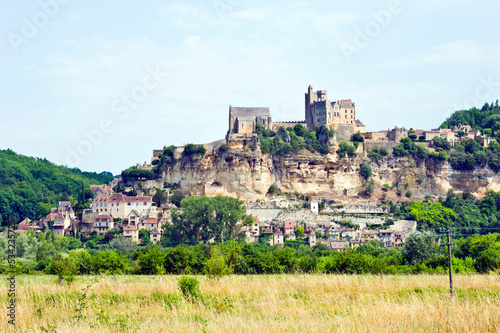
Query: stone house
[(311, 237), (103, 223), (155, 236), (277, 237), (256, 226), (338, 245), (130, 231), (333, 233), (289, 227), (351, 234), (119, 205), (149, 223)]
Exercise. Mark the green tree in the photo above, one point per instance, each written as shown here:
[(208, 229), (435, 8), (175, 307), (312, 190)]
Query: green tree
[(300, 130), (151, 262), (109, 261), (177, 197), (123, 244), (160, 197), (365, 171), (419, 247)]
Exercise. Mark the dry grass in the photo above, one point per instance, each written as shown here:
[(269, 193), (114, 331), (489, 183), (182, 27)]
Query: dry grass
[(279, 303)]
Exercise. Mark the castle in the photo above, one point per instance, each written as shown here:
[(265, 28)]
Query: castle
[(338, 115), (320, 111)]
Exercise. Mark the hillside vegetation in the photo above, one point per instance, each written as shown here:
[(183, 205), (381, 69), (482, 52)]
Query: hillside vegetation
[(488, 117), (30, 186)]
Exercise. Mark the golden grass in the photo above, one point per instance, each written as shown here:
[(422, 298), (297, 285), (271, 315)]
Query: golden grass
[(276, 303)]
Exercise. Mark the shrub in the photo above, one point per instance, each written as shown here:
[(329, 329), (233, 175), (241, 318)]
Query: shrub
[(191, 149), (408, 194), (357, 137), (223, 148), (365, 171), (190, 288), (215, 266), (386, 187)]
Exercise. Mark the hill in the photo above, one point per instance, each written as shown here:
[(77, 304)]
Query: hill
[(488, 117), (30, 186)]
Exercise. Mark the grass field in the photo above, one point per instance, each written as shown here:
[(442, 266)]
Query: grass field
[(276, 303)]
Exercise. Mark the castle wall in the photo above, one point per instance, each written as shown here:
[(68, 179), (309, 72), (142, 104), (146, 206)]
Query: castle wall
[(372, 144), (344, 131), (375, 135), (286, 124)]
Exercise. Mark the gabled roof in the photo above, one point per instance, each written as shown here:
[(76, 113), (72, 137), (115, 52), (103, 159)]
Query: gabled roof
[(289, 225), (267, 230), (155, 231), (150, 220), (130, 227), (278, 232), (248, 113), (104, 217)]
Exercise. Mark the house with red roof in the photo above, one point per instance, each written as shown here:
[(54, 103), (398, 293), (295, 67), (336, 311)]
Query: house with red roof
[(119, 205), (103, 223), (130, 231)]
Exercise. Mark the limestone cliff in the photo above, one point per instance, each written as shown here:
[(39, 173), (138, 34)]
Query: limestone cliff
[(249, 174)]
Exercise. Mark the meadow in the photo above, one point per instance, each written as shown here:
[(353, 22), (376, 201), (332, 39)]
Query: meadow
[(258, 303)]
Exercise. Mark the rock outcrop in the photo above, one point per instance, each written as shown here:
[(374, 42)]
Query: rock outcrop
[(249, 174)]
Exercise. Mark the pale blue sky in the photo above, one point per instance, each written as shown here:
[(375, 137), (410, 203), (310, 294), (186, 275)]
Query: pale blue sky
[(423, 59)]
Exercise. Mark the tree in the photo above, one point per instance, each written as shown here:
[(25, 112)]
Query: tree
[(300, 130), (177, 197), (123, 244), (205, 218), (151, 262), (64, 269), (412, 134), (365, 171), (419, 247), (369, 186), (109, 262), (216, 265), (144, 236), (160, 197)]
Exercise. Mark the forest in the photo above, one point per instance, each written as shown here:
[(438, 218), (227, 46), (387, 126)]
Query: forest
[(30, 186)]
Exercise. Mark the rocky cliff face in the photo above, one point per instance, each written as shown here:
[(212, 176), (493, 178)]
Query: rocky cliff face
[(249, 174)]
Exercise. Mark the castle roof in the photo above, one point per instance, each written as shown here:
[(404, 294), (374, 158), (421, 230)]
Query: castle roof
[(248, 113)]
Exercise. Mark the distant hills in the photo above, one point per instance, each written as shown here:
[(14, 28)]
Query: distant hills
[(30, 186)]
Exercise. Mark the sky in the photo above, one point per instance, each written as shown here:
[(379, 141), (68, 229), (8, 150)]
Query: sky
[(99, 85)]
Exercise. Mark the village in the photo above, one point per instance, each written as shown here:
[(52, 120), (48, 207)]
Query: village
[(277, 220)]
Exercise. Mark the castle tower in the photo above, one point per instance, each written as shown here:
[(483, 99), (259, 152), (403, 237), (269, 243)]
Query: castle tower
[(308, 105)]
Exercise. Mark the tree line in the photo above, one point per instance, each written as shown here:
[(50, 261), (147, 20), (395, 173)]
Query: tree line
[(474, 254)]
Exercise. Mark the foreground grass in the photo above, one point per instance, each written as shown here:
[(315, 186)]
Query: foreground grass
[(276, 303)]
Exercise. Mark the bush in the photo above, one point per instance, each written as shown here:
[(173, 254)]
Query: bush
[(408, 194), (191, 149), (357, 137), (216, 266), (190, 288), (223, 148), (365, 171)]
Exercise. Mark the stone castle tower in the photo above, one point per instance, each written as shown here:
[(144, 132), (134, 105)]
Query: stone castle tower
[(320, 111)]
